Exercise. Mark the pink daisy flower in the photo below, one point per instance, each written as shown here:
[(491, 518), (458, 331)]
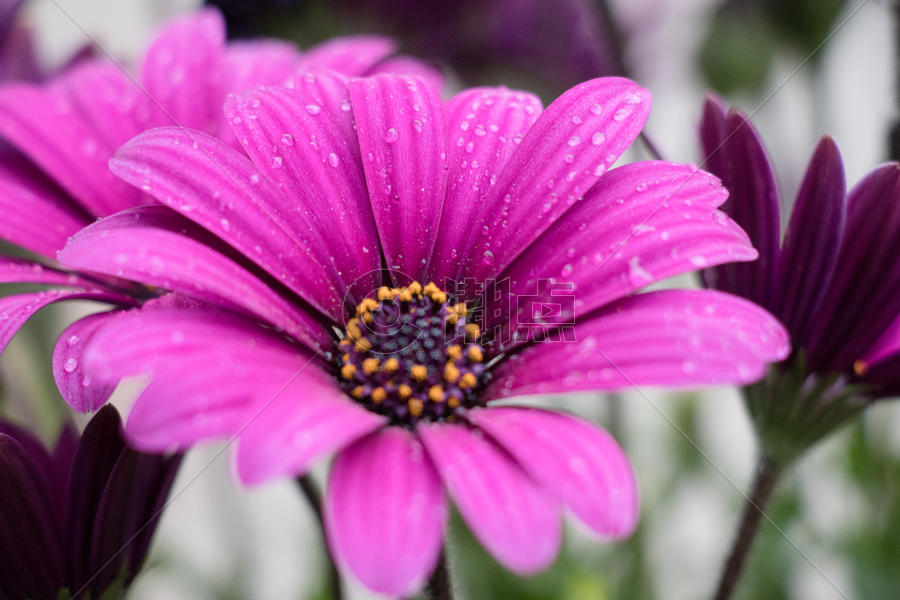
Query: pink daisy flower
[(64, 133), (310, 332)]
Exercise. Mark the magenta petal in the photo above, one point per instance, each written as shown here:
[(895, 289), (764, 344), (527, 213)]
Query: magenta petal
[(304, 140), (812, 242), (569, 147), (394, 552), (350, 55), (182, 67), (393, 549), (77, 387), (511, 516), (139, 341), (308, 418), (671, 337), (219, 189), (34, 214), (402, 137), (735, 154), (408, 65), (44, 125), (18, 270), (146, 245), (16, 310), (641, 223), (484, 127), (577, 461)]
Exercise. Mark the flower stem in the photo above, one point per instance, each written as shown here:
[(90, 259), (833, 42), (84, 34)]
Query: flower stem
[(767, 472), (439, 585), (314, 497)]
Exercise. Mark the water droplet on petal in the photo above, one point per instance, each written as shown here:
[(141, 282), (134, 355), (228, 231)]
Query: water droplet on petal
[(391, 136), (313, 109), (598, 138), (333, 159), (70, 365)]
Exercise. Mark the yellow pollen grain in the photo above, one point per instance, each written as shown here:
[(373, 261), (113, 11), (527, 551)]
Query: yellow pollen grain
[(451, 373), (860, 367), (439, 297), (384, 293), (379, 395), (404, 391), (370, 365), (467, 381), (454, 352), (415, 288), (460, 309), (452, 319), (473, 331), (368, 318), (415, 407), (453, 402), (405, 295), (347, 371), (430, 289), (391, 365), (353, 331), (366, 305), (345, 358), (475, 354), (418, 372), (436, 393), (363, 345), (357, 392)]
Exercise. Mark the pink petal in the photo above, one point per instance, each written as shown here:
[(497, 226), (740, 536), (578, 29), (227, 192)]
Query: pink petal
[(44, 125), (485, 126), (569, 147), (385, 512), (16, 310), (641, 223), (578, 462), (34, 214), (310, 418), (515, 520), (402, 137), (303, 139), (886, 346), (147, 245), (18, 270), (220, 190), (250, 64), (408, 65), (137, 342), (77, 387), (182, 70), (672, 338), (349, 55)]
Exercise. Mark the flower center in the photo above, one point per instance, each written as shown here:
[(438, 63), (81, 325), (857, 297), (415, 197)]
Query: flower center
[(411, 355)]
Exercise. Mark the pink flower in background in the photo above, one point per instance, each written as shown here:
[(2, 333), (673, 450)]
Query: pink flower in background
[(64, 133), (349, 193)]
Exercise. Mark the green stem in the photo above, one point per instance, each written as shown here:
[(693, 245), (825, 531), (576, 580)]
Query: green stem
[(767, 473), (314, 497)]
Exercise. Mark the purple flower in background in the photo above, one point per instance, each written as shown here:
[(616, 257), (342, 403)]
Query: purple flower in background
[(308, 331), (833, 281), (17, 59), (66, 131), (79, 517)]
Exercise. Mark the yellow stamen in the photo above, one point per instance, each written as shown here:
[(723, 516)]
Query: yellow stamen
[(370, 365), (363, 345), (452, 319), (415, 407), (475, 354), (451, 373), (453, 402), (357, 392), (430, 289), (467, 381), (405, 296), (347, 371), (378, 395), (366, 305), (419, 372), (404, 391), (384, 293), (345, 358), (436, 393), (454, 352), (391, 365), (353, 331), (472, 331), (860, 367), (415, 288)]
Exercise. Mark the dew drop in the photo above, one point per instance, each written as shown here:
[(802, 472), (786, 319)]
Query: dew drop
[(70, 365), (391, 136), (276, 162), (596, 109), (333, 159), (287, 139), (598, 138), (574, 141), (313, 109)]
